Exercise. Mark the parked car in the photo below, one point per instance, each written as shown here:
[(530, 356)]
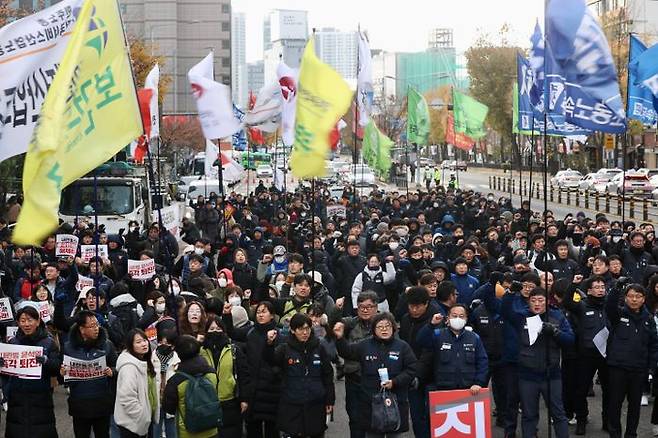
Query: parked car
[(609, 172), (567, 179), (364, 178), (635, 184), (594, 182), (264, 171), (461, 165)]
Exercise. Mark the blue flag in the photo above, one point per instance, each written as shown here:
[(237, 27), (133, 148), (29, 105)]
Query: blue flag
[(580, 73), (240, 137), (536, 62), (531, 117), (643, 81)]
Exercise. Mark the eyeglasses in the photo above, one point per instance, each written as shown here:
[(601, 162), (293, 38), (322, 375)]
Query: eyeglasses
[(366, 306), (387, 326), (305, 329)]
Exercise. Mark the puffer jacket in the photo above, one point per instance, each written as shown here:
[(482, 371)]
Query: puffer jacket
[(132, 409)]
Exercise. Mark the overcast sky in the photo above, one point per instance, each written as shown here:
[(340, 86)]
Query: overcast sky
[(400, 25)]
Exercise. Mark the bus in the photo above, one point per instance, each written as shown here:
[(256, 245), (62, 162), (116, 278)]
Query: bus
[(251, 160)]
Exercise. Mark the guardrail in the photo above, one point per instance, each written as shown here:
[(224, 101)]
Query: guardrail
[(601, 202)]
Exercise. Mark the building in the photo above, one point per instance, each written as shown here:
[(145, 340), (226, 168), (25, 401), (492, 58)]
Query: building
[(288, 32), (184, 32), (440, 38), (638, 16), (255, 76), (239, 59), (31, 5), (339, 50)]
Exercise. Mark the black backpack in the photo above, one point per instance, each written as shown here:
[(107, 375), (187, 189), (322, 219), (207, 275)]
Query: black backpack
[(127, 315), (203, 410)]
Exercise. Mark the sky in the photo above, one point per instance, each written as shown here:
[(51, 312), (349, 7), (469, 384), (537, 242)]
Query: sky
[(399, 26)]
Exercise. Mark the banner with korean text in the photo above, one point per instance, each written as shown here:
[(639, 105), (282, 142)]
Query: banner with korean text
[(141, 269), (78, 369), (21, 361), (66, 246), (458, 414)]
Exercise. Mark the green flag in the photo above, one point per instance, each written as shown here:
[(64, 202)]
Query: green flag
[(376, 148), (469, 115), (418, 118)]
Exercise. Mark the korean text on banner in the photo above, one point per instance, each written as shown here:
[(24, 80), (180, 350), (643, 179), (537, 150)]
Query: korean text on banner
[(458, 414), (30, 52), (78, 369), (170, 219), (21, 361), (66, 246), (89, 114), (87, 252), (6, 314), (83, 282), (336, 211), (141, 269)]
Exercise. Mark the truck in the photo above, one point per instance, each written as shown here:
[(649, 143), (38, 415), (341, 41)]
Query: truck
[(119, 193)]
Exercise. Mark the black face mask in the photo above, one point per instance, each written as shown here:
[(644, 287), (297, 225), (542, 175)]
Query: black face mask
[(577, 239), (165, 350), (214, 339)]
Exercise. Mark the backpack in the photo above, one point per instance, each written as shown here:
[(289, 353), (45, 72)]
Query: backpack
[(127, 315), (202, 408)]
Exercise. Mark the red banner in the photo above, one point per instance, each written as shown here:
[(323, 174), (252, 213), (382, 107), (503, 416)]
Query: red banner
[(458, 414), (144, 96), (457, 139)]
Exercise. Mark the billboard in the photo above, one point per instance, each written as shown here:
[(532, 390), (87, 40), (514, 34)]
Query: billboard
[(288, 25)]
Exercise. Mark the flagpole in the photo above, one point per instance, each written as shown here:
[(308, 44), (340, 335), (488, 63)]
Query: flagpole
[(625, 144), (355, 156)]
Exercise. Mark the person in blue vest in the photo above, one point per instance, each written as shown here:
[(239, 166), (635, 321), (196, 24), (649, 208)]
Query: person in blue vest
[(307, 390), (381, 351), (465, 283), (539, 363), (456, 356)]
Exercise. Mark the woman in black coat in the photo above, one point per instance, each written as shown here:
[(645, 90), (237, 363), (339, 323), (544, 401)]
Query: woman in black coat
[(382, 350), (31, 412), (265, 388), (308, 392)]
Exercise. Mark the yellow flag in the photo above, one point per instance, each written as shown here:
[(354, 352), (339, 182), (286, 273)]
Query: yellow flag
[(322, 97), (89, 114)]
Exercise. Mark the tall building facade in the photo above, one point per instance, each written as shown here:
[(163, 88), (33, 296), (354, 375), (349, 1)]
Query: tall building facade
[(255, 76), (239, 59), (288, 32), (339, 49), (184, 32), (638, 16), (32, 5)]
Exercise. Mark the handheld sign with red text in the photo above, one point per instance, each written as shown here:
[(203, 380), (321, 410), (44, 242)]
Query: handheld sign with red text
[(21, 361), (141, 269), (458, 414), (89, 251), (66, 246), (6, 313), (78, 369)]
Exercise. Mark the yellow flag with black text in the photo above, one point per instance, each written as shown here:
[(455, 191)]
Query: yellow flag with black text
[(323, 97), (89, 114)]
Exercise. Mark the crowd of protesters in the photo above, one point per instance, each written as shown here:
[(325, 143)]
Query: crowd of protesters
[(245, 332)]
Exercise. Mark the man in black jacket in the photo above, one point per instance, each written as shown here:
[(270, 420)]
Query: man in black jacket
[(347, 268)]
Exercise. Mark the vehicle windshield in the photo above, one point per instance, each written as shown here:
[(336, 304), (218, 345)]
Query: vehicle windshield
[(78, 199)]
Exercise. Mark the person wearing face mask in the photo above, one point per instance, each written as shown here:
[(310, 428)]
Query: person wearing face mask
[(589, 314), (456, 357), (375, 279), (224, 283), (154, 311), (635, 258), (539, 363), (273, 263), (230, 366), (165, 361), (183, 269)]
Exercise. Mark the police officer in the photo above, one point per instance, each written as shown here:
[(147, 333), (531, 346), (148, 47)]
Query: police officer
[(589, 314), (457, 356), (632, 350)]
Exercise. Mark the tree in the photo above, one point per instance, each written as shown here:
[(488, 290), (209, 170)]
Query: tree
[(491, 64), (181, 132), (143, 57)]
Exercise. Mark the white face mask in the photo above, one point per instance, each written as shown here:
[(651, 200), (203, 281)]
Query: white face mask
[(279, 284), (235, 301), (616, 239), (198, 251), (160, 307), (222, 282), (457, 323), (393, 245), (280, 259)]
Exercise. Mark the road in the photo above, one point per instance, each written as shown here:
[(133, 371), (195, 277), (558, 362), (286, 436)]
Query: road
[(339, 428)]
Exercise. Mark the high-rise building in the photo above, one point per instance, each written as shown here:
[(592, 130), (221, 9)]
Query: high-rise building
[(32, 5), (288, 30), (267, 33), (255, 76), (184, 32), (440, 38), (338, 49), (239, 59)]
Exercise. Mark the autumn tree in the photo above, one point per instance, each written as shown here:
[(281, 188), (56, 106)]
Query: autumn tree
[(143, 57), (491, 64)]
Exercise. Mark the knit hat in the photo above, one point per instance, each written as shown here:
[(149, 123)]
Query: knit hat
[(240, 317)]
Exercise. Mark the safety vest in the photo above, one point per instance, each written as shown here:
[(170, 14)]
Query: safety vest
[(225, 372), (289, 310), (180, 412)]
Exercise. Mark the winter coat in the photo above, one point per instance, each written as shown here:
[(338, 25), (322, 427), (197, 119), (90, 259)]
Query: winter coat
[(106, 319), (244, 275), (91, 398), (466, 286), (132, 409), (31, 412)]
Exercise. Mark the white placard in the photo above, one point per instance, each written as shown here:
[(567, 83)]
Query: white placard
[(336, 210), (83, 282), (20, 361), (11, 332), (601, 341), (88, 251), (78, 369), (67, 245), (170, 219), (141, 269), (534, 327), (6, 314)]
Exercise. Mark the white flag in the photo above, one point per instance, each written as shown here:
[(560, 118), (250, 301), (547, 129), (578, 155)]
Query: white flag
[(212, 153), (266, 108), (30, 52), (213, 101), (364, 81), (152, 81), (231, 170), (288, 83)]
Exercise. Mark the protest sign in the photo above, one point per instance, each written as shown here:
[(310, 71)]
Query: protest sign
[(43, 307), (21, 361), (458, 414), (141, 269), (11, 332), (66, 246), (6, 313), (88, 251), (170, 219), (83, 282), (78, 369), (336, 210)]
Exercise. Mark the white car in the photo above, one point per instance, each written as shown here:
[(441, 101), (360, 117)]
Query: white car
[(594, 182), (567, 179), (636, 184), (364, 178), (264, 171), (609, 172)]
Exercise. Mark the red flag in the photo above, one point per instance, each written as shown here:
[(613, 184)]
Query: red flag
[(141, 149), (356, 127), (334, 137), (458, 139), (256, 136), (144, 96)]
